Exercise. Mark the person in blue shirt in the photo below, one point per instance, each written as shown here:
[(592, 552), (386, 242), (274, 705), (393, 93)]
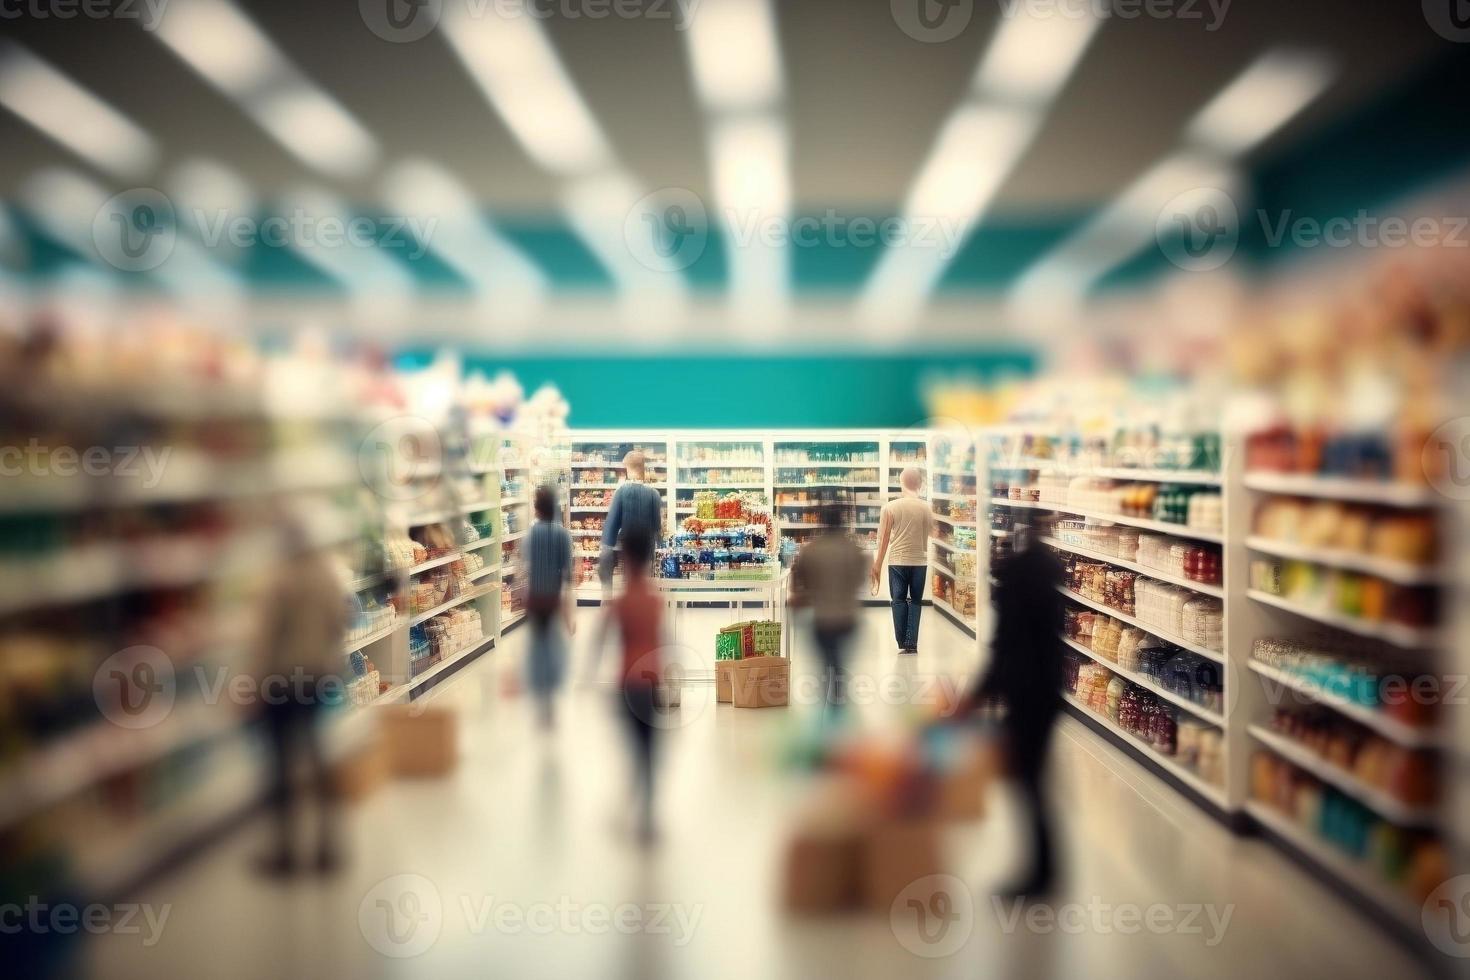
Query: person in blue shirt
[(549, 598), (635, 507)]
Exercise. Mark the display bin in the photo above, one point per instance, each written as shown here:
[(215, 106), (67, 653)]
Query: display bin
[(767, 639), (727, 645), (746, 632)]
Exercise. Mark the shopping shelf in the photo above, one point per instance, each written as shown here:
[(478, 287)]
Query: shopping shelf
[(950, 547), (422, 678), (1396, 811), (353, 645), (514, 535), (1147, 524), (1153, 573), (942, 604), (589, 508), (1342, 865), (935, 494), (954, 521), (434, 517), (1123, 617), (1178, 770), (446, 606), (1404, 637), (482, 543), (1148, 684), (1392, 729), (1400, 572), (514, 501), (434, 563), (477, 506), (1344, 488), (1207, 478), (482, 572)]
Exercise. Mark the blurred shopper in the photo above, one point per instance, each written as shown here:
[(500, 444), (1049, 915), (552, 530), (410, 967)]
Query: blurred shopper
[(550, 604), (635, 507), (827, 576), (903, 538), (303, 626), (1025, 677), (637, 615)]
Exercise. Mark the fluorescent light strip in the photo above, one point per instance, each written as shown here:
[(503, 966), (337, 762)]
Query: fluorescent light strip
[(654, 302), (752, 188), (977, 149), (72, 116), (66, 204), (1121, 231), (1033, 53), (225, 47), (1028, 60), (512, 288), (1277, 85), (733, 51), (506, 51), (364, 269)]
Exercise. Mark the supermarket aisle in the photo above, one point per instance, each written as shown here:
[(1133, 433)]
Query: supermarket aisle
[(517, 855)]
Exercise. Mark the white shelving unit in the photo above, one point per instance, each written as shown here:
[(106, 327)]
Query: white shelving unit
[(954, 480), (1001, 459)]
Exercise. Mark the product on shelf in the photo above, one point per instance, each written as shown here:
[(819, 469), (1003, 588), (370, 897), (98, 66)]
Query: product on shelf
[(1410, 861), (1377, 680), (1343, 592), (1403, 774), (1391, 534)]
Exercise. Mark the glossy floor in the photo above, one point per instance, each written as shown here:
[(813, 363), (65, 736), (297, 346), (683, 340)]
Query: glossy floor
[(521, 863)]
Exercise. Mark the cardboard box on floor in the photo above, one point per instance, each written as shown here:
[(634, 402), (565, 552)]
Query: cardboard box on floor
[(423, 743), (760, 682), (359, 773), (724, 671)]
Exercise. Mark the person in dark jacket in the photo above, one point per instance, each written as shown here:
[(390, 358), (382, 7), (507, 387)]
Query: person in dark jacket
[(1025, 676)]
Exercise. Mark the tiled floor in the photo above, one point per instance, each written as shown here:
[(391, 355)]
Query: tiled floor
[(513, 858)]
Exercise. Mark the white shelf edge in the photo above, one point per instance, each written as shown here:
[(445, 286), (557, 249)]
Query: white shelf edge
[(1203, 588), (1178, 700), (1397, 812), (1343, 488), (1390, 728), (1184, 774), (1153, 631), (1400, 572), (1404, 637)]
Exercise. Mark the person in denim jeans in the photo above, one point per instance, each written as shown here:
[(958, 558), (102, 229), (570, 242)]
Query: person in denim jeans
[(903, 539)]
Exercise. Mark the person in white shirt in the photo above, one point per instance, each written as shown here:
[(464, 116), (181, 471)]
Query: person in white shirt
[(903, 538)]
